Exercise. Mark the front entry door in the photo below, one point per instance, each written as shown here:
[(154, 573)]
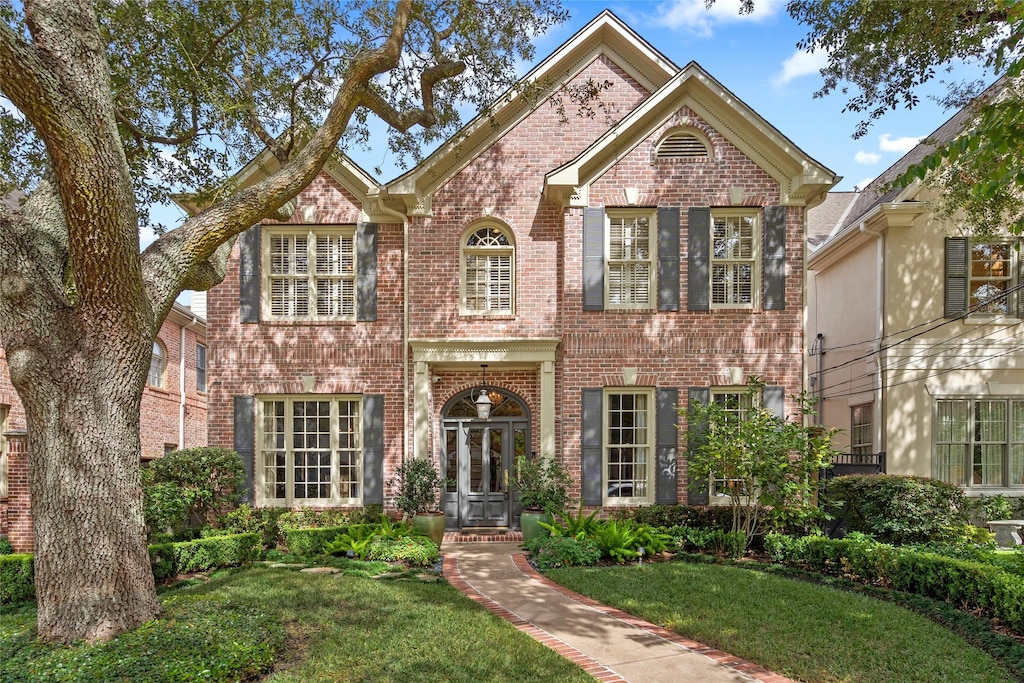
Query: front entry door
[(485, 460)]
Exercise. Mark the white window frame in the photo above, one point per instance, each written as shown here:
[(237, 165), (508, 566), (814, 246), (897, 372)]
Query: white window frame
[(950, 436), (267, 442), (718, 487), (493, 270), (651, 260), (5, 412), (753, 260), (646, 449), (159, 355), (978, 278), (862, 431), (201, 367), (346, 275)]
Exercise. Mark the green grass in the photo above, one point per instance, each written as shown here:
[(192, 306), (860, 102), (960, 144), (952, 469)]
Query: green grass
[(805, 631), (344, 627)]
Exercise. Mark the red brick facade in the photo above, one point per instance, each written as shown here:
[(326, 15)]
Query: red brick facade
[(423, 350), (164, 417)]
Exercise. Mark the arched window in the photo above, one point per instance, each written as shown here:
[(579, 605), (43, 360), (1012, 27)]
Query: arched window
[(488, 271), (157, 365)]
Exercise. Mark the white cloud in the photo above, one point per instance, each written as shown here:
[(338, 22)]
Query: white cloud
[(862, 157), (887, 143), (801, 64), (693, 16)]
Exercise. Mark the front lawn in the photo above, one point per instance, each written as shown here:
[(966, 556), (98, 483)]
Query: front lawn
[(307, 627), (808, 632)]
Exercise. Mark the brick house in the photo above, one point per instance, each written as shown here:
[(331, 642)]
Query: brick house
[(585, 277), (173, 414)]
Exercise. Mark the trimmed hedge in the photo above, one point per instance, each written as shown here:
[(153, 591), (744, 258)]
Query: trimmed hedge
[(311, 542), (693, 516), (17, 580), (966, 584), (170, 559)]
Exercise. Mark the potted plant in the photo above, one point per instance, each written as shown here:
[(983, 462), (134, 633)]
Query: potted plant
[(418, 485), (543, 485)]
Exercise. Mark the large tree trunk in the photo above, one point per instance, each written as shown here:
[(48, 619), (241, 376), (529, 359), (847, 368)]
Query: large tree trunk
[(82, 396)]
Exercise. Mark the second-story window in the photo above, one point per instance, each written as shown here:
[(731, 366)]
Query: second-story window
[(734, 254), (488, 271), (630, 267), (993, 265), (310, 273)]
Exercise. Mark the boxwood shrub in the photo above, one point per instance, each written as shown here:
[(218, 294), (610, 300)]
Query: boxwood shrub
[(17, 581), (170, 559), (310, 542), (964, 583), (693, 516)]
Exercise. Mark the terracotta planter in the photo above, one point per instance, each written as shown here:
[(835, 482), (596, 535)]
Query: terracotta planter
[(529, 522), (430, 524)]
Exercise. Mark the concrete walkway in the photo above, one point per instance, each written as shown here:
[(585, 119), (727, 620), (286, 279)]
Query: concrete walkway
[(609, 644)]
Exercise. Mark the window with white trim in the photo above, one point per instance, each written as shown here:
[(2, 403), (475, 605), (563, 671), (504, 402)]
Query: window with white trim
[(979, 443), (310, 450), (734, 258), (861, 429), (630, 262), (4, 412), (200, 367), (735, 402), (488, 271), (157, 366), (629, 446), (309, 273), (993, 274)]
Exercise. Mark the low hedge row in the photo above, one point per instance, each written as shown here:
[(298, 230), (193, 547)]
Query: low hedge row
[(171, 559), (17, 582), (310, 542), (17, 579), (967, 584)]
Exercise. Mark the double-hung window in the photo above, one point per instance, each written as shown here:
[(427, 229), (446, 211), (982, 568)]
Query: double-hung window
[(310, 273), (200, 367), (861, 437), (488, 268), (734, 258), (629, 446), (992, 277), (980, 442), (630, 260), (310, 450), (157, 366), (736, 402)]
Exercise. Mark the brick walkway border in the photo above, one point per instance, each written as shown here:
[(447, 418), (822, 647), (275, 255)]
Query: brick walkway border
[(590, 665)]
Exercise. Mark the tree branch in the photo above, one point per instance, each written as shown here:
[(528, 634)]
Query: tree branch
[(143, 136)]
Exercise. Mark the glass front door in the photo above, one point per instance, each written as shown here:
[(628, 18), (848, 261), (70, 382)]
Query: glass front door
[(485, 468)]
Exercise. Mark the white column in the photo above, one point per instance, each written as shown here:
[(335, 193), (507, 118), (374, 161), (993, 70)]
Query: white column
[(547, 409), (421, 411)]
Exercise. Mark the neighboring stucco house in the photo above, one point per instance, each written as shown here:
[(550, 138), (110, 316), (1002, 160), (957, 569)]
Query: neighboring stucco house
[(172, 415), (920, 328), (587, 279)]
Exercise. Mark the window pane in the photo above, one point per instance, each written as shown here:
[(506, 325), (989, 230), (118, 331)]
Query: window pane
[(311, 448), (200, 367), (629, 270), (627, 450), (952, 421), (991, 274), (273, 452), (733, 254), (860, 429)]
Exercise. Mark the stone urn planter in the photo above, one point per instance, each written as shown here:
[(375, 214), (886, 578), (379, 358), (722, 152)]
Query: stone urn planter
[(431, 525), (529, 522)]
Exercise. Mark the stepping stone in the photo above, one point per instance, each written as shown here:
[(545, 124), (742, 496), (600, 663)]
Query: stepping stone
[(320, 570)]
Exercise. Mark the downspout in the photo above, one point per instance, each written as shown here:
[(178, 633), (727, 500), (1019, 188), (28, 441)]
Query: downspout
[(879, 418), (405, 318)]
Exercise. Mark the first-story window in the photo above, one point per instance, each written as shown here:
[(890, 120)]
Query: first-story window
[(629, 446), (157, 366), (980, 442), (736, 402), (861, 439), (200, 367), (310, 450)]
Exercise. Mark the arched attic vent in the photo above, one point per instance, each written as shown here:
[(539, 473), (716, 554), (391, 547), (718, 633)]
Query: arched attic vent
[(683, 144)]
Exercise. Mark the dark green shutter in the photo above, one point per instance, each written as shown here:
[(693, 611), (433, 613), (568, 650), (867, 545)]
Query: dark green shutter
[(775, 401), (249, 275), (956, 276), (698, 260), (366, 272), (592, 467), (245, 441), (697, 489), (373, 449), (666, 445), (593, 259), (668, 259), (774, 263)]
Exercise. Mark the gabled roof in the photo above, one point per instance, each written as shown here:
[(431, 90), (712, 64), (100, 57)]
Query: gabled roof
[(343, 170), (605, 35), (800, 177), (828, 217)]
